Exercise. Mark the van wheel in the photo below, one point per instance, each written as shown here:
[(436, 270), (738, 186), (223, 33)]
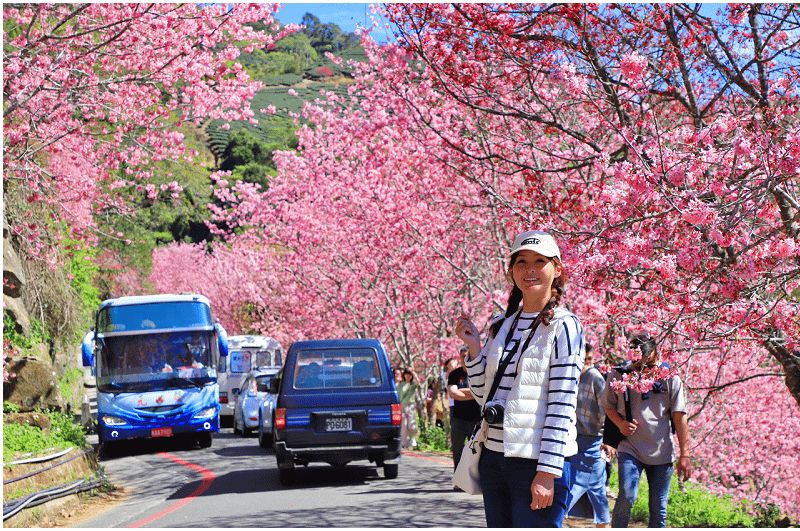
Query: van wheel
[(286, 474), (246, 432), (390, 470)]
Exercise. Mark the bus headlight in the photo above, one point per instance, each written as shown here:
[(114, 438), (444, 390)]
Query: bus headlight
[(109, 420), (207, 413)]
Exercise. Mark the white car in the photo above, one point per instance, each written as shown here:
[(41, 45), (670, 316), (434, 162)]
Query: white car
[(265, 420), (247, 353), (254, 389)]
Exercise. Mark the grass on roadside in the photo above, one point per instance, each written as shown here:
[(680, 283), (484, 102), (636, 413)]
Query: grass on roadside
[(691, 506), (19, 439)]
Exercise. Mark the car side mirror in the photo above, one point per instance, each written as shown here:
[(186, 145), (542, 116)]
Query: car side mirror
[(274, 385)]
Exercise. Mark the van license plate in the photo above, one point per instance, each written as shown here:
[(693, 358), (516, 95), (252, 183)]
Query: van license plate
[(339, 424), (161, 432)]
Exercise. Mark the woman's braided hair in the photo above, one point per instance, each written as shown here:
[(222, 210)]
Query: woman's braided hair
[(515, 297)]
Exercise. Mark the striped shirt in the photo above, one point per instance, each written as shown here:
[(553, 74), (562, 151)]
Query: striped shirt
[(494, 437), (565, 368)]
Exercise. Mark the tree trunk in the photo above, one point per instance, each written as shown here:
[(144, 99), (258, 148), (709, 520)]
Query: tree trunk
[(790, 361)]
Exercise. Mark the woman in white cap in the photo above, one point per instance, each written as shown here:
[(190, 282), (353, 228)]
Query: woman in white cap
[(529, 368)]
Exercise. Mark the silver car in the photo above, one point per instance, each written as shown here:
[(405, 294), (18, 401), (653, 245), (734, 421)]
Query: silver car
[(254, 390), (265, 420)]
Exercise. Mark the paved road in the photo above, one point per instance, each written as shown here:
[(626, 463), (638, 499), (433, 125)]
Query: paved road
[(235, 484)]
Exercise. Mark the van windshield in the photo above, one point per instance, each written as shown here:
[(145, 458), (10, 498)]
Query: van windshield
[(336, 369)]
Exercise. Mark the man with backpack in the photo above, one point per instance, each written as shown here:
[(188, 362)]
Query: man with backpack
[(648, 444)]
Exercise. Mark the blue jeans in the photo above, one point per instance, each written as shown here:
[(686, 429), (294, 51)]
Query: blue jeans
[(506, 484), (658, 478), (589, 476)]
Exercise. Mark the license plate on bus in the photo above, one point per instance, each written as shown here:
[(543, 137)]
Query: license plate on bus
[(161, 432), (339, 424)]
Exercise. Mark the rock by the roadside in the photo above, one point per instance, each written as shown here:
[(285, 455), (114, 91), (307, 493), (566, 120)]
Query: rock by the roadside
[(13, 275), (31, 419), (19, 315), (34, 386)]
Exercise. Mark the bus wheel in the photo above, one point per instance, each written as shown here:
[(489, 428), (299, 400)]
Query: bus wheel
[(204, 439), (109, 449)]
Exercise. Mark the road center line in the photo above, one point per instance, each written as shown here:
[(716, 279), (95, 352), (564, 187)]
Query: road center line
[(208, 478)]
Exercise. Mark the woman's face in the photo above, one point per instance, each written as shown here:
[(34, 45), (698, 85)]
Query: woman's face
[(407, 377), (534, 273)]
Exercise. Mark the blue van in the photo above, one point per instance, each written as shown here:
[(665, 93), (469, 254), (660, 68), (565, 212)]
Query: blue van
[(336, 403)]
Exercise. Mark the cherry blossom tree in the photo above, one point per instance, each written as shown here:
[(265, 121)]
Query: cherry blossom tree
[(362, 251), (95, 94), (662, 146), (662, 143)]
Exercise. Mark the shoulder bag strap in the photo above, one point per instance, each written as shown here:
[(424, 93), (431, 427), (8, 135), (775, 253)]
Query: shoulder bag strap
[(628, 414), (501, 369)]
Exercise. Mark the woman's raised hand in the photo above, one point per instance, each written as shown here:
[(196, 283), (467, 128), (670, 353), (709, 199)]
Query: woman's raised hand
[(468, 333)]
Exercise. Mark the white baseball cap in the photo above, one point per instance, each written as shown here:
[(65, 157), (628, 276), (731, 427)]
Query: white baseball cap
[(537, 241)]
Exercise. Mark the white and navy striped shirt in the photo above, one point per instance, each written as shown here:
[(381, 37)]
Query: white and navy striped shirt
[(494, 438), (564, 373)]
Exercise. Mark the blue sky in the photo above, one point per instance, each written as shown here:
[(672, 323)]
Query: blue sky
[(346, 16)]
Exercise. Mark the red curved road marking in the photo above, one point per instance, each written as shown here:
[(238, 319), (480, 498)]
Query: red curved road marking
[(412, 454), (208, 478)]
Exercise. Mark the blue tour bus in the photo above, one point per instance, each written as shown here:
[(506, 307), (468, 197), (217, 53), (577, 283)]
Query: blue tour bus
[(154, 359)]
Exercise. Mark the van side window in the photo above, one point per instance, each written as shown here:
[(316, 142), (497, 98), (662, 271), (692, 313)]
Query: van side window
[(240, 361)]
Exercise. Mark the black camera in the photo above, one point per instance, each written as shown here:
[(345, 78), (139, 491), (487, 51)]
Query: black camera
[(494, 414)]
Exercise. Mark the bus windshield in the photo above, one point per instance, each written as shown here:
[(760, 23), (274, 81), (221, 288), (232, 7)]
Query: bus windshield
[(153, 316), (151, 362)]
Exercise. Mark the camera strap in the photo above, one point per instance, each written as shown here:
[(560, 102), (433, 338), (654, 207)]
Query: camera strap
[(501, 369)]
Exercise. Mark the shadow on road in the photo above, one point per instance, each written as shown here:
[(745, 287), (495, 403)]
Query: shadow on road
[(315, 475), (132, 447)]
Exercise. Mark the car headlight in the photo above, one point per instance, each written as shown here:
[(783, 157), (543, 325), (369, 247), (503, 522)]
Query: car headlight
[(109, 420), (206, 413)]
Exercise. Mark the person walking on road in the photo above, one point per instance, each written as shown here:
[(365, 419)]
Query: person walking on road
[(648, 442), (587, 467), (536, 352), (465, 413), (407, 389)]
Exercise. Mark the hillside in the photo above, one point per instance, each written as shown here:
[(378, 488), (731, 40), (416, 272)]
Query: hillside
[(322, 75)]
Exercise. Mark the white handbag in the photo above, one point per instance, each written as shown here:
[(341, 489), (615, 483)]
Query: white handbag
[(466, 476)]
